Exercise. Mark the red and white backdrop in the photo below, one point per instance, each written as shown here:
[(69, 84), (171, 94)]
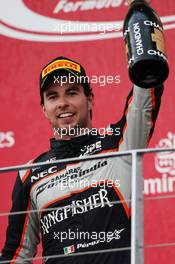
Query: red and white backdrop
[(30, 38)]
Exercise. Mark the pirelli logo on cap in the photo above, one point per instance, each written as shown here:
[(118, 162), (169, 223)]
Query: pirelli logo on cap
[(60, 64)]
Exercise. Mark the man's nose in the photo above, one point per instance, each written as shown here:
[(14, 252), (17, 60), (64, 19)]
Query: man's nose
[(62, 102)]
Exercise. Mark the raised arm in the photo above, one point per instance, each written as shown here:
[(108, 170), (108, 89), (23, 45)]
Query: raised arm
[(139, 117)]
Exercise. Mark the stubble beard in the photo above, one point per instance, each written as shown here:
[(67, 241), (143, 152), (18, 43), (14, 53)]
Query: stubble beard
[(70, 131)]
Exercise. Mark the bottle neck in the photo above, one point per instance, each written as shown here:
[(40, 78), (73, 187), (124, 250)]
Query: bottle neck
[(135, 2)]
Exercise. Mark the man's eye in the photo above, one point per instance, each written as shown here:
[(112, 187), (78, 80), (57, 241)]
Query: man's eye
[(51, 97), (72, 92)]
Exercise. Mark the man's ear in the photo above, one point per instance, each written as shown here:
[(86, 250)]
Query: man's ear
[(90, 102), (45, 112)]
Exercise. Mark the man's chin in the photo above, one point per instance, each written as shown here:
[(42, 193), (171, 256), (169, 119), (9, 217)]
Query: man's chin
[(67, 130)]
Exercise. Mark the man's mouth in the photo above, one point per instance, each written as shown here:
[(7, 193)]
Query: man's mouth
[(65, 115)]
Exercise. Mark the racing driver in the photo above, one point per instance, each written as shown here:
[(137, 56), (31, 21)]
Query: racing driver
[(79, 195), (73, 204)]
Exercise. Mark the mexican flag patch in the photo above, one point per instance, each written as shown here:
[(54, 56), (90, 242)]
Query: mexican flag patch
[(69, 250)]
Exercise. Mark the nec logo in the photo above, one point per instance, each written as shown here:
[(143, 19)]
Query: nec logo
[(44, 173), (7, 139)]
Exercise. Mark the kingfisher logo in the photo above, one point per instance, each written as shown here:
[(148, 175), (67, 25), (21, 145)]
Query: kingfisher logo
[(99, 199), (20, 21)]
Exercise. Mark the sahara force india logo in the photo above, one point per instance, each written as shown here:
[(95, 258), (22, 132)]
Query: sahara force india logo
[(68, 178), (20, 22), (96, 200)]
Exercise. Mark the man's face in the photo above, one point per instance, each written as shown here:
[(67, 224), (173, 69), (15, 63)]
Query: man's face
[(67, 106)]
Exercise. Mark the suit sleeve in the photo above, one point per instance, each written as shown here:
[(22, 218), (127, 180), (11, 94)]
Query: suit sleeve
[(22, 234), (139, 117)]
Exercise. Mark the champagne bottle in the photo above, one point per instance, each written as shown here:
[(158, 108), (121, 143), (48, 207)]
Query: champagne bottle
[(145, 46)]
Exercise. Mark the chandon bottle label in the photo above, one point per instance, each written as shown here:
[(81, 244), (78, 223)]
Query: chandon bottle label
[(145, 46)]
